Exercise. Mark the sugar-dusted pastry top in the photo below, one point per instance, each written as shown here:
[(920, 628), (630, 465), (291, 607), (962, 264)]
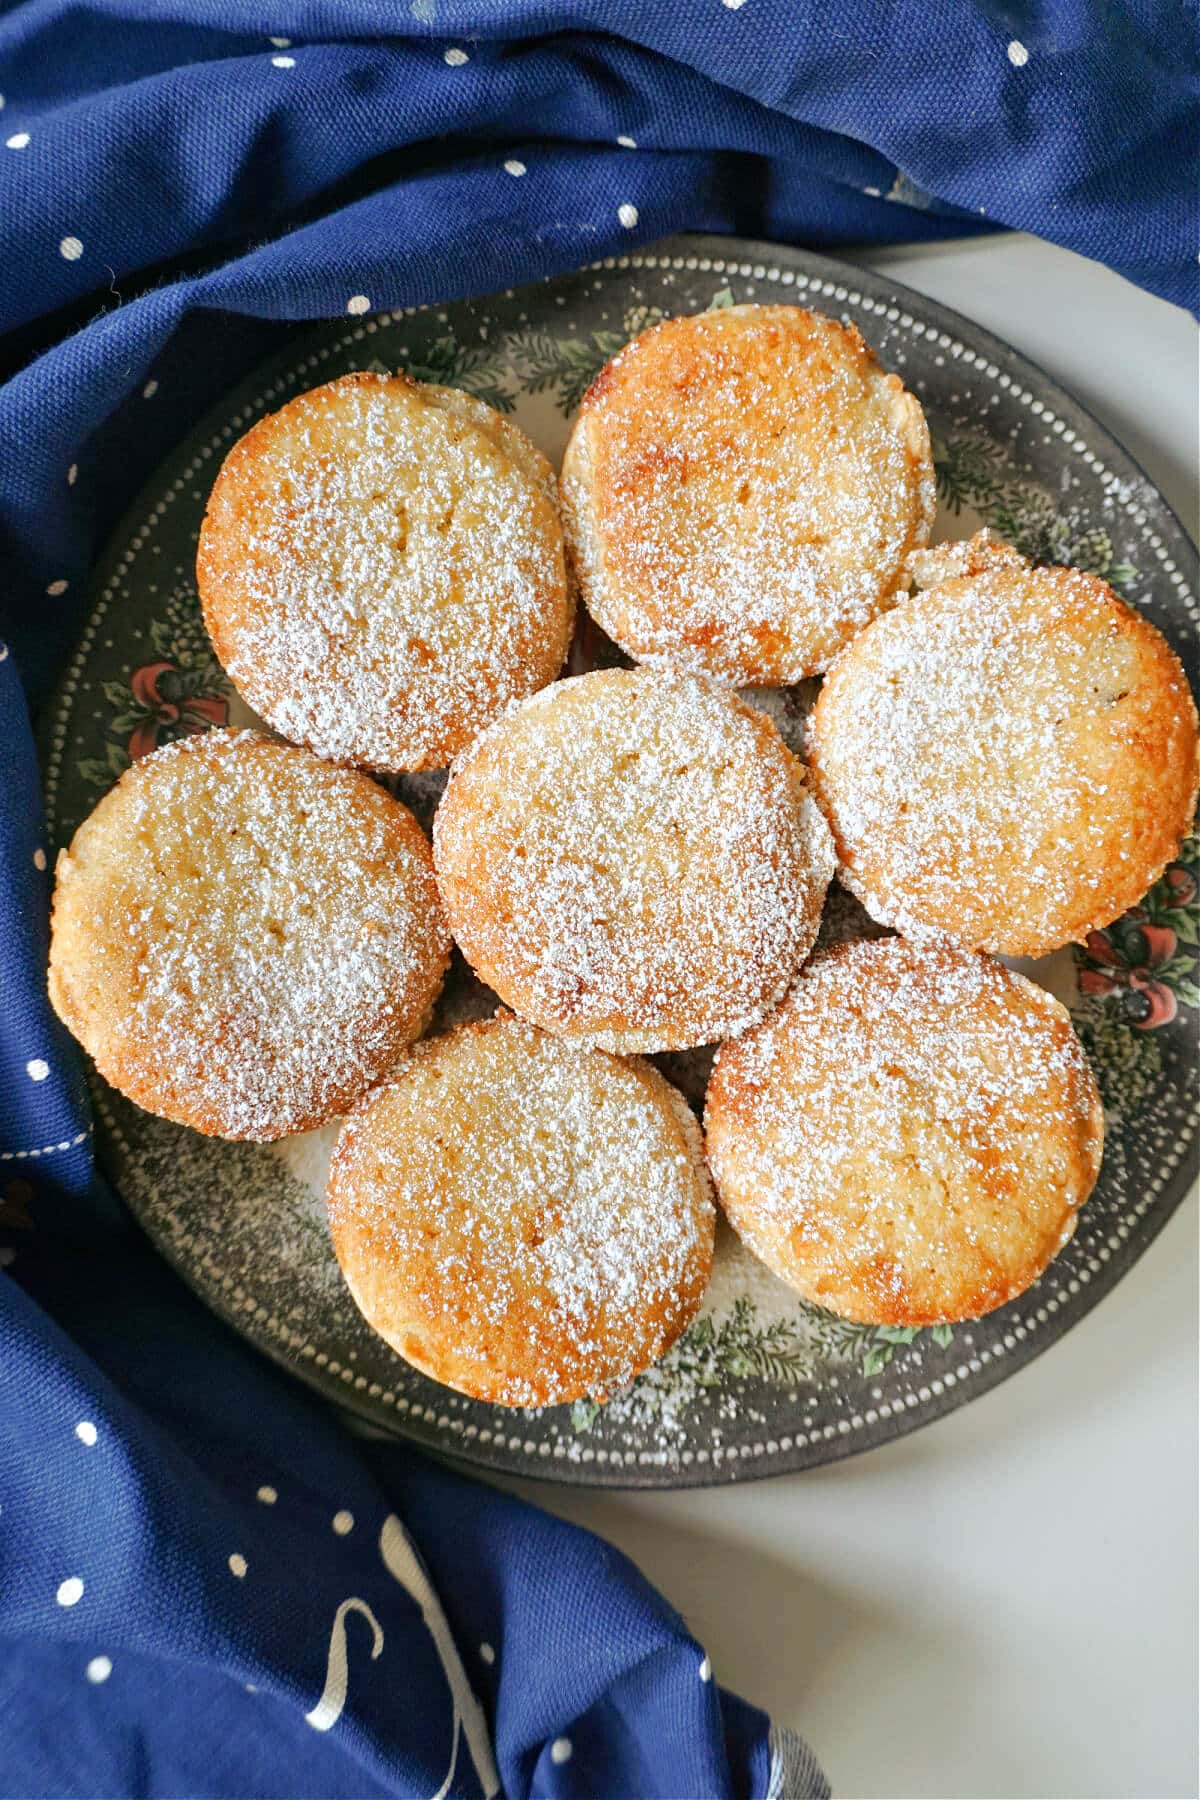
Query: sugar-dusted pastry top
[(522, 1219), (244, 938), (632, 859), (908, 1139), (743, 491), (381, 570), (1008, 759)]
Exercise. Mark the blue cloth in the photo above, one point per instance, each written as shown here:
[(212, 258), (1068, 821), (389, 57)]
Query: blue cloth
[(205, 1586)]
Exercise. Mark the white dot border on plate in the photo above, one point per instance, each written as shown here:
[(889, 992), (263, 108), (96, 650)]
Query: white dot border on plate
[(301, 1349)]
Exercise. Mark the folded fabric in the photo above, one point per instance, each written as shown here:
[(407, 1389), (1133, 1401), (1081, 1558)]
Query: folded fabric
[(161, 160), (206, 1587)]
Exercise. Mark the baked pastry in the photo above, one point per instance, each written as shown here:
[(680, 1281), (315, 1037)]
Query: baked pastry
[(244, 938), (507, 436), (1009, 759), (523, 1220), (381, 570), (743, 491), (908, 1139), (631, 859)]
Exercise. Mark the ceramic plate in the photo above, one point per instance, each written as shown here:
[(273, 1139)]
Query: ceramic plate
[(762, 1382)]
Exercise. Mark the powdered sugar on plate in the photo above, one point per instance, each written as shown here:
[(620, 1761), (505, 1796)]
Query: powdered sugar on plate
[(762, 1381)]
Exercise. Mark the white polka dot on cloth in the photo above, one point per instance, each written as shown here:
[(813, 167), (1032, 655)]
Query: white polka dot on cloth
[(149, 391), (1018, 55), (733, 5), (57, 587), (37, 1069), (627, 143), (343, 1523), (358, 303), (98, 1670), (628, 215), (85, 1431), (280, 43), (70, 1591), (455, 58), (71, 248), (514, 167), (18, 141), (267, 1495), (39, 859), (284, 62), (72, 474), (487, 1654), (237, 1565), (705, 1669), (1, 102), (561, 1750)]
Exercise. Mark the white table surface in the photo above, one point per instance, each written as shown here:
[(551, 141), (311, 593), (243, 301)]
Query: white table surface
[(1004, 1603)]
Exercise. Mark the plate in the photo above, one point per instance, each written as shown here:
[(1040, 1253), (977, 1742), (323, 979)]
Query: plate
[(761, 1382)]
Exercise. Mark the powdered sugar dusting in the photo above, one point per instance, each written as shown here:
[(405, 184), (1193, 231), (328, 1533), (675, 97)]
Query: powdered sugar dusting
[(743, 491), (1006, 760), (261, 934), (381, 574), (256, 1244), (632, 858), (909, 1137), (562, 1245)]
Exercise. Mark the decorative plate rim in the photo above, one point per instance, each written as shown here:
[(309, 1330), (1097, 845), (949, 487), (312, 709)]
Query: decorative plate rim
[(800, 274)]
